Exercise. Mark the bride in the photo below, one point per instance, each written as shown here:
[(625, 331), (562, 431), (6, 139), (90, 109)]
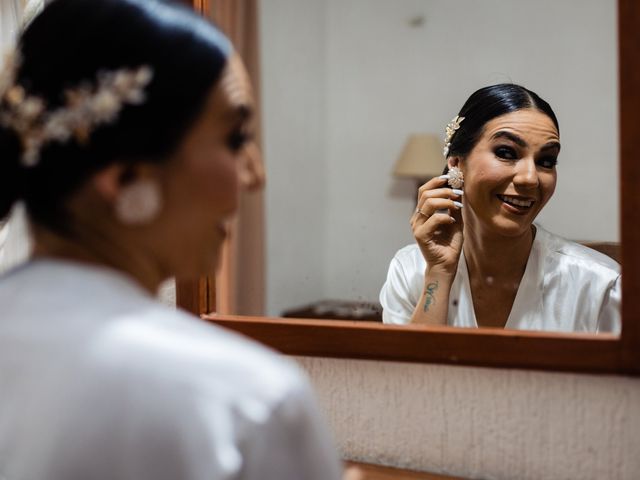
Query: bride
[(479, 260)]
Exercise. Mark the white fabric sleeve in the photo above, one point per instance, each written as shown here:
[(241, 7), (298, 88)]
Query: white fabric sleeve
[(396, 297), (294, 445), (193, 437), (610, 318)]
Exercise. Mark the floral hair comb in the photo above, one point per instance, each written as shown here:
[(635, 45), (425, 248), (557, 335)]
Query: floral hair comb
[(450, 131), (86, 107)]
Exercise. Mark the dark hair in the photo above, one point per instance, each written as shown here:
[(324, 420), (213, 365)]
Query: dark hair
[(491, 102), (67, 45)]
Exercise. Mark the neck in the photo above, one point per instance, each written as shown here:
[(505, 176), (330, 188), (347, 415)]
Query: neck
[(494, 256), (97, 249)]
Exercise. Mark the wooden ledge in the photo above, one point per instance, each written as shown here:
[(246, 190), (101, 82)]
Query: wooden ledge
[(367, 471)]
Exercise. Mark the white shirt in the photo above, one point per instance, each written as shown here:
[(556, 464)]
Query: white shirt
[(566, 287), (100, 381)]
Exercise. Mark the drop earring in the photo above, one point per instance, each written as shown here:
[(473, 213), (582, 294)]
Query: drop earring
[(138, 203)]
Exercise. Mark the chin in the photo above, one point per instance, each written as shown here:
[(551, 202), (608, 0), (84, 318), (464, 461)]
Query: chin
[(510, 228), (204, 265)]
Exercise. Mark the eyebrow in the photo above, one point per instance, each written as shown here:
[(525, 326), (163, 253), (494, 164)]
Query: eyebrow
[(550, 146), (520, 142), (514, 138), (240, 112)]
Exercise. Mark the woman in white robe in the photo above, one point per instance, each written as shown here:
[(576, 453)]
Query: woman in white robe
[(124, 128), (479, 260)]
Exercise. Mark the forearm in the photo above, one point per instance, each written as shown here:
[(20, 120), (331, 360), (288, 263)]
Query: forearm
[(433, 305)]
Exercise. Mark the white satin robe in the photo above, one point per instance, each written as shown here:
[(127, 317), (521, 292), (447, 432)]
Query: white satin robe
[(99, 381), (566, 287)]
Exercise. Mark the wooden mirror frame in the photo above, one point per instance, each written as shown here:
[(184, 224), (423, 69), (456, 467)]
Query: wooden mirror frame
[(486, 347)]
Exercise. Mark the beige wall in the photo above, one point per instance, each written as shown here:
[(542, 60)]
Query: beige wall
[(482, 423)]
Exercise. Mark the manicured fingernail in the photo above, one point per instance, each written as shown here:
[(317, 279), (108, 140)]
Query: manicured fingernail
[(458, 204), (444, 177), (453, 219), (457, 192)]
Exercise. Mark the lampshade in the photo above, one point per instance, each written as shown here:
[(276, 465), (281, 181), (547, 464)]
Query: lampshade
[(421, 157)]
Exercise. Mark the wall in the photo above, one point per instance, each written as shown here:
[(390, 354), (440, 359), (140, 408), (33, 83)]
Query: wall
[(14, 237), (482, 423), (375, 79), (294, 150)]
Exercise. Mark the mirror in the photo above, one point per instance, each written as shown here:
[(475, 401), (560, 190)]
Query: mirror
[(344, 83)]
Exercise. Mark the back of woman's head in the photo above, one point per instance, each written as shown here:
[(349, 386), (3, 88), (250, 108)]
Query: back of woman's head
[(488, 103), (71, 46)]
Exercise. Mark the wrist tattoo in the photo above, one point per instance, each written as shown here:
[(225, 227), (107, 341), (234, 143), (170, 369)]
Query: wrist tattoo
[(429, 292)]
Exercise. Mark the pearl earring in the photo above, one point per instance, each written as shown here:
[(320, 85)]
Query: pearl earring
[(138, 203), (456, 179)]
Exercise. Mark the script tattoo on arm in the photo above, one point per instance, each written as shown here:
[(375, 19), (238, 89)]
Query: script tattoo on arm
[(430, 291)]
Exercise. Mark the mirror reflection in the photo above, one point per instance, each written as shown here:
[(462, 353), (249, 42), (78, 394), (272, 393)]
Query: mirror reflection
[(488, 264), (346, 83)]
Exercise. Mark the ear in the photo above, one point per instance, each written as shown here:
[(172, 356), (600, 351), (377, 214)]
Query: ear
[(110, 181), (454, 162)]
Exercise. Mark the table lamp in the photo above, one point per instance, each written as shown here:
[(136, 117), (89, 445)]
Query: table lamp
[(421, 158)]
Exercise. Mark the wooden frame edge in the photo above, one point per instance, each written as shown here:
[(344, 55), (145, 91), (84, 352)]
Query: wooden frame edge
[(629, 105), (441, 345)]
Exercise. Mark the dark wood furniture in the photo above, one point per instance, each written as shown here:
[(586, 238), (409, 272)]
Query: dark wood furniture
[(338, 310)]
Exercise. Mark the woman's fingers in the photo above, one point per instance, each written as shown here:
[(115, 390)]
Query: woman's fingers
[(434, 237), (432, 222), (436, 182), (449, 193), (436, 188), (432, 206), (425, 229)]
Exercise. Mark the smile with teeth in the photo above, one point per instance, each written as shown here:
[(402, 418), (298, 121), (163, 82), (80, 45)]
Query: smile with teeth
[(515, 201)]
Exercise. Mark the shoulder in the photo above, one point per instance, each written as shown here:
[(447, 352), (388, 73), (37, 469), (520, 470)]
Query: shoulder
[(111, 329), (401, 290), (170, 348), (575, 256), (406, 270), (409, 257)]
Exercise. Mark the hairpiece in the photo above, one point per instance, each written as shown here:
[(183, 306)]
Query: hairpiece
[(450, 131), (86, 107)]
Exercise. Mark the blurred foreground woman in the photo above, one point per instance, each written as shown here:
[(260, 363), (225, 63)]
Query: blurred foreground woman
[(125, 127)]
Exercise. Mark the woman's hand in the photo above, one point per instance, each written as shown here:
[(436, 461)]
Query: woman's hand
[(437, 225)]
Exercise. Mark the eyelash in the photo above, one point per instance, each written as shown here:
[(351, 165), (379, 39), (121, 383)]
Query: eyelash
[(547, 162), (508, 153), (238, 139)]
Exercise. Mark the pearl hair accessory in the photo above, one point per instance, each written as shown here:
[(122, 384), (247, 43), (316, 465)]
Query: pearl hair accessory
[(138, 203), (86, 107), (456, 179), (450, 131)]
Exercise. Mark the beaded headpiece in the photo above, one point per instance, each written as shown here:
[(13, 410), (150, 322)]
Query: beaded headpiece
[(450, 131), (86, 107)]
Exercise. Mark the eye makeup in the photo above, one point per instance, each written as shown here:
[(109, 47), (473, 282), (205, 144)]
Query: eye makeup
[(238, 138)]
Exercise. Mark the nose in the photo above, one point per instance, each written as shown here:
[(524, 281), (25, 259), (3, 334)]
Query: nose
[(252, 174), (526, 175)]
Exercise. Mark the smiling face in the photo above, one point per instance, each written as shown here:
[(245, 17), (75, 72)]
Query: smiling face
[(510, 174), (205, 176)]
